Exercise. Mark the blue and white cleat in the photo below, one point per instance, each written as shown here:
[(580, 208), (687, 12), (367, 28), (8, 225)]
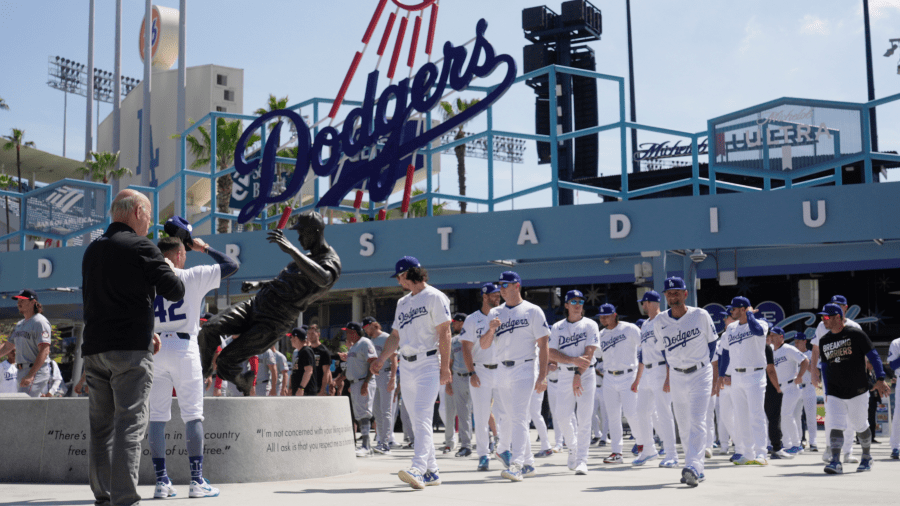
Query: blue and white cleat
[(669, 462), (528, 471), (512, 474), (203, 489), (413, 477), (865, 465), (483, 463), (834, 467), (431, 478), (504, 457), (163, 490), (691, 477), (895, 454), (643, 459), (543, 453), (736, 457)]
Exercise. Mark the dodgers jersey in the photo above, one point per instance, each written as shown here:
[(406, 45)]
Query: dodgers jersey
[(894, 351), (27, 335), (808, 355), (787, 362), (618, 346), (474, 327), (821, 330), (745, 350), (572, 338), (8, 377), (184, 315), (685, 341), (718, 356), (520, 328), (648, 351), (417, 318)]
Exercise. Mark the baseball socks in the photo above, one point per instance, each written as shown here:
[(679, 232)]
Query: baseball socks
[(194, 442), (157, 439)]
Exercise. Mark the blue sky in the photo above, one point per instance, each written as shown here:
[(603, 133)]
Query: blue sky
[(693, 60)]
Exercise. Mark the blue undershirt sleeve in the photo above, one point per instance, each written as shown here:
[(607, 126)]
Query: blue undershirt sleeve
[(712, 350), (723, 362), (640, 357), (225, 262), (875, 360), (755, 328), (894, 363)]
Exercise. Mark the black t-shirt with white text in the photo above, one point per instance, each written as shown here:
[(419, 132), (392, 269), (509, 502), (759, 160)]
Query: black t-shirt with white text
[(323, 357), (305, 357), (844, 356)]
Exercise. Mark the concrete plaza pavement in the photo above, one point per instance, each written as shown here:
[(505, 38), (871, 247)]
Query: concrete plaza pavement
[(799, 481)]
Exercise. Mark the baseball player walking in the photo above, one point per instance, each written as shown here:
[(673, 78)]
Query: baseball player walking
[(573, 342), (384, 388), (844, 352), (31, 342), (458, 394), (791, 365), (177, 365), (894, 361), (600, 419), (481, 363), (648, 384), (362, 382), (515, 328), (619, 342), (686, 336), (421, 332), (743, 346), (807, 394)]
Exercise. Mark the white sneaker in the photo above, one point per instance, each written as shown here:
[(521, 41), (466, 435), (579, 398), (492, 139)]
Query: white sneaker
[(850, 459), (708, 453), (164, 490), (203, 489), (669, 462), (571, 461), (581, 469), (363, 452)]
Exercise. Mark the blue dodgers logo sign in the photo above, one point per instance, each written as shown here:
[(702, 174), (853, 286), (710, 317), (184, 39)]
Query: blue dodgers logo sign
[(384, 169)]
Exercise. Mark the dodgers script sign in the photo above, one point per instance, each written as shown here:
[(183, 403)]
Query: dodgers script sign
[(378, 127)]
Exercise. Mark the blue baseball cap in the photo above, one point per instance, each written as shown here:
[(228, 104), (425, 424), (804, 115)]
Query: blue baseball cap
[(675, 283), (368, 320), (839, 299), (777, 330), (650, 296), (574, 294), (640, 323), (354, 327), (800, 336), (727, 311), (176, 226), (831, 310), (740, 302), (459, 317), (510, 277), (606, 310), (405, 264), (489, 288)]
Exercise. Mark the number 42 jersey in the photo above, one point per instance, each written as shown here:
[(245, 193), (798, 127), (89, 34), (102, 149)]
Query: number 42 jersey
[(184, 315)]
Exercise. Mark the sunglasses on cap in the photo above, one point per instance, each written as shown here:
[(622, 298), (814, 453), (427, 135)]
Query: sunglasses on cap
[(504, 284), (574, 302)]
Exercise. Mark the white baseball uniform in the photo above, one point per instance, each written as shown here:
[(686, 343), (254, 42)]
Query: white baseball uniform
[(810, 403), (384, 399), (726, 405), (416, 320), (573, 339), (8, 375), (536, 415), (849, 435), (474, 327), (650, 396), (894, 354), (685, 344), (515, 348), (552, 398), (600, 419), (748, 360), (177, 365), (618, 347), (787, 365)]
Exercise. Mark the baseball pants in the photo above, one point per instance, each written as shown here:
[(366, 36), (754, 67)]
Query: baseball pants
[(179, 370), (850, 414), (41, 383), (362, 405), (481, 407), (619, 398), (895, 425), (834, 420), (515, 385), (711, 421), (458, 409), (537, 402), (567, 405), (690, 398), (772, 404), (726, 417), (420, 382), (600, 418), (553, 387), (650, 398), (748, 395), (810, 403), (449, 425), (791, 406), (405, 420), (262, 388), (383, 408)]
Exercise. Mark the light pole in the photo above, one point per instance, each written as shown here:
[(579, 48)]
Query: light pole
[(873, 124)]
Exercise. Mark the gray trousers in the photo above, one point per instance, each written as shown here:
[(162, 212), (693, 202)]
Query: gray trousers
[(41, 384), (458, 408), (119, 385), (384, 407)]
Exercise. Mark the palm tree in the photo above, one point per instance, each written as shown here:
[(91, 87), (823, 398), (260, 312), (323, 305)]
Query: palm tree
[(227, 135), (16, 140), (5, 183), (449, 112), (3, 104), (274, 104), (103, 168), (419, 208)]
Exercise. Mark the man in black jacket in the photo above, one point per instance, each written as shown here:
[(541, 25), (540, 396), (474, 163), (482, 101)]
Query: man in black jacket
[(122, 272)]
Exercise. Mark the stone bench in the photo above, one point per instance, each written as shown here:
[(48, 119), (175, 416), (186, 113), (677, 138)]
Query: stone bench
[(247, 439)]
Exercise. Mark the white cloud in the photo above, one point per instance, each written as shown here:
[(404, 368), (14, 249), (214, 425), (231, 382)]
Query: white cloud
[(813, 25), (882, 8), (752, 32)]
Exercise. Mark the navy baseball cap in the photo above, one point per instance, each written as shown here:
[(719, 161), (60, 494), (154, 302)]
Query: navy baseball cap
[(727, 311), (831, 310), (777, 330), (675, 283), (740, 302), (176, 226), (839, 299), (354, 327), (368, 320), (640, 322), (800, 336), (650, 296), (26, 294), (299, 333), (205, 317), (510, 277), (405, 264), (574, 294), (606, 310), (489, 288), (459, 317)]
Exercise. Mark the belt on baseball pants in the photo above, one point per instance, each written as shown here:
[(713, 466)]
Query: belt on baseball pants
[(413, 358), (179, 335), (619, 373), (572, 368), (510, 363), (465, 374), (745, 369), (553, 381), (652, 365), (489, 366), (23, 366), (788, 382), (598, 373), (691, 368), (387, 369), (801, 385)]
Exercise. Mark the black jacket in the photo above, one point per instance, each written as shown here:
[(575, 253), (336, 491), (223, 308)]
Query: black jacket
[(121, 274)]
